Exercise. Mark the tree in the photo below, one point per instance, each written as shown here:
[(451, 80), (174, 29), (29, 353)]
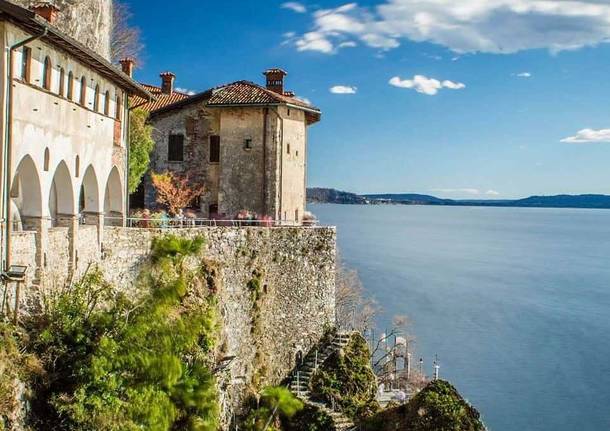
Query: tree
[(175, 191), (354, 311), (125, 40), (141, 145), (275, 403)]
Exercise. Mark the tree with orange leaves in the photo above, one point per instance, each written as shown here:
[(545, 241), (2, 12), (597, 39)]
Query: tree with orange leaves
[(175, 191)]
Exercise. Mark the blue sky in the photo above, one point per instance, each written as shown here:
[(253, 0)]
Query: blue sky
[(457, 98)]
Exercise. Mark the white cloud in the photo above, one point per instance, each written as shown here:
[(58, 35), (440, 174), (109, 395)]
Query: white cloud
[(185, 91), (315, 41), (466, 26), (523, 75), (343, 89), (585, 136), (425, 85), (492, 193), (294, 6)]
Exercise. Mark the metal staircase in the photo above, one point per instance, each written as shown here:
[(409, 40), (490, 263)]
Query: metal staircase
[(299, 384)]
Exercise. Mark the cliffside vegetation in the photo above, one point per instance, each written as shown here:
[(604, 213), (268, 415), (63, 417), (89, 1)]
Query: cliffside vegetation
[(347, 381), (114, 363), (438, 407)]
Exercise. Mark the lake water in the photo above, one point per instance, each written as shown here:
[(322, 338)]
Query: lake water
[(515, 302)]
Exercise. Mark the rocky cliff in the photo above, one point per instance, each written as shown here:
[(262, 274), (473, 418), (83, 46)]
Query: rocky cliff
[(88, 21)]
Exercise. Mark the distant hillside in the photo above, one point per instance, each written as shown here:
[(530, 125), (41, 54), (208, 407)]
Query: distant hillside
[(320, 195), (410, 198), (565, 201), (332, 196)]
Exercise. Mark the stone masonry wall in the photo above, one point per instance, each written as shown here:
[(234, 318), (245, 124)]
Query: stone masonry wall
[(296, 267)]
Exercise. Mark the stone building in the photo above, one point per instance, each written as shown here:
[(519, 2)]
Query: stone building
[(64, 111), (245, 142)]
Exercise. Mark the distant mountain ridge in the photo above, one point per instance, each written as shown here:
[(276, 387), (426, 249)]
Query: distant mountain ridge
[(325, 195)]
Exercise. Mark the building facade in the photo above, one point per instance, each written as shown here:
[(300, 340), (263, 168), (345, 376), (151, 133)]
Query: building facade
[(64, 129), (246, 143)]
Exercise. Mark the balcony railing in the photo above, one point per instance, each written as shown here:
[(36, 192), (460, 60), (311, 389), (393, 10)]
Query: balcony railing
[(191, 223)]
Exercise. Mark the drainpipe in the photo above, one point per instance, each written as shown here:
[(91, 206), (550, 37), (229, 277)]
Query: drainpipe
[(8, 147), (281, 158), (265, 115)]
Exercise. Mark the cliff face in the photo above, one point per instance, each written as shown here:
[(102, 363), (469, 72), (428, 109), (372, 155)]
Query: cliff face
[(88, 21)]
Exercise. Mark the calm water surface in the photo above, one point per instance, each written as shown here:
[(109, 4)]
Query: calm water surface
[(516, 302)]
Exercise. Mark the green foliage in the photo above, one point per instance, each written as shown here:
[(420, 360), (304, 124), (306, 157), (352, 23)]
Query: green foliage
[(16, 369), (347, 380), (141, 145), (440, 407), (309, 419), (276, 404), (118, 364)]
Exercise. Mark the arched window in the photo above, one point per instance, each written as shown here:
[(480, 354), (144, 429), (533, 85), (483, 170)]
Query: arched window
[(83, 91), (96, 98), (77, 166), (47, 159), (70, 86), (26, 64), (47, 72), (119, 108), (107, 103), (62, 82)]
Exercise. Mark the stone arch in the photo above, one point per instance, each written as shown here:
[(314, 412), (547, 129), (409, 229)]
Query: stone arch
[(89, 201), (26, 192), (61, 195), (113, 198)]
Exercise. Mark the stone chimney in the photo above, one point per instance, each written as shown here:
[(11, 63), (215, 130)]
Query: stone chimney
[(127, 65), (275, 80), (46, 10), (167, 82)]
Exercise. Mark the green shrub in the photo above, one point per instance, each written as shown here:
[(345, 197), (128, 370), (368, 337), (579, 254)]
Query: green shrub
[(276, 404), (119, 364), (438, 407), (347, 380), (309, 419)]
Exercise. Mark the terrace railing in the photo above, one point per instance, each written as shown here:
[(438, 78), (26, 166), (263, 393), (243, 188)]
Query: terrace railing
[(190, 223)]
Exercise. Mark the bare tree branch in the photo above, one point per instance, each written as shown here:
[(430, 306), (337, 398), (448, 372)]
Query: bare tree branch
[(126, 40)]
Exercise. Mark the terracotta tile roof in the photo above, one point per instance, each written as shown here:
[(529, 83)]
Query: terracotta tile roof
[(244, 93), (162, 100), (249, 93)]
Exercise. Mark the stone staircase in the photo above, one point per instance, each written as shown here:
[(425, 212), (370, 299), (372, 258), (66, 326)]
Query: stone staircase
[(299, 383)]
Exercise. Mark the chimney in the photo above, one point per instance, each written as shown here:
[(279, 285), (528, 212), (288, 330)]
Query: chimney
[(127, 65), (275, 80), (46, 10), (167, 82)]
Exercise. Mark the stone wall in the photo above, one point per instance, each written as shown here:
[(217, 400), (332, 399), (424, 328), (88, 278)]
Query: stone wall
[(88, 21), (296, 268), (294, 265)]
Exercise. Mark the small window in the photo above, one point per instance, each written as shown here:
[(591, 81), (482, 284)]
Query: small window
[(287, 148), (214, 149), (107, 103), (247, 144), (96, 98), (289, 112), (47, 73), (296, 215), (175, 148), (62, 82), (83, 91), (47, 157), (70, 86), (213, 209), (26, 61), (119, 108)]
